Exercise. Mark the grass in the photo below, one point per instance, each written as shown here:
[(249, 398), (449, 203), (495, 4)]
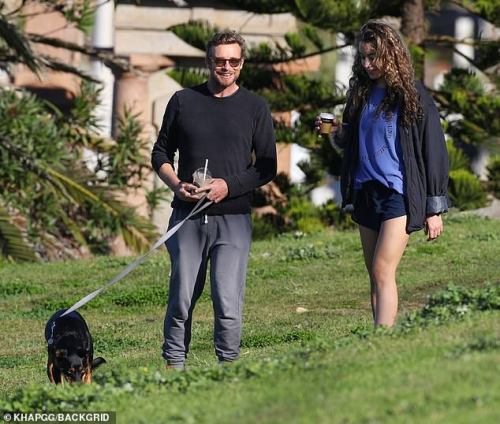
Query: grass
[(319, 364)]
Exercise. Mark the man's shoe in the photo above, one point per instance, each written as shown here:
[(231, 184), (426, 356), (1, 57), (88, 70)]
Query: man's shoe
[(177, 367)]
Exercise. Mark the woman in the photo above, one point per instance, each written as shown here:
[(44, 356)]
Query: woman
[(395, 164)]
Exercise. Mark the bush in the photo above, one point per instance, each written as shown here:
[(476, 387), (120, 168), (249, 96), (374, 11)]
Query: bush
[(466, 191), (267, 226), (457, 158), (332, 215), (66, 205), (494, 175), (454, 303), (304, 215)]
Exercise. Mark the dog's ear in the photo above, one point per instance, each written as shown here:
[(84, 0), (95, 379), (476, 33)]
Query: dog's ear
[(97, 361)]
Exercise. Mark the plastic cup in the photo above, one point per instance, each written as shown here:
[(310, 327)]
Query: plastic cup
[(327, 120), (201, 177)]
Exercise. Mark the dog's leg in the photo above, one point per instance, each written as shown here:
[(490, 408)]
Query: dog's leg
[(87, 377), (50, 372)]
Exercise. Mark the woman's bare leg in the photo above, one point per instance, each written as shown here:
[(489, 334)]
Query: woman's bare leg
[(391, 243), (369, 242)]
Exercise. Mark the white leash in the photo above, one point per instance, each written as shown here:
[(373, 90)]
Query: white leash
[(197, 208)]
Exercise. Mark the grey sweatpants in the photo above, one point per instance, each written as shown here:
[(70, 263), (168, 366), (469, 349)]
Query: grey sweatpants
[(224, 240)]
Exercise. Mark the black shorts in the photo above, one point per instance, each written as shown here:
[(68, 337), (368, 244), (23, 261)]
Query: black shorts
[(375, 203)]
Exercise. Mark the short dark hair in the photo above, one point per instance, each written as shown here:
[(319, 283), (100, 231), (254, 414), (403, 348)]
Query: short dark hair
[(227, 37)]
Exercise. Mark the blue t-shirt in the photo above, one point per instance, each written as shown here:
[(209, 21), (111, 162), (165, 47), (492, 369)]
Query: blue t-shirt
[(380, 154)]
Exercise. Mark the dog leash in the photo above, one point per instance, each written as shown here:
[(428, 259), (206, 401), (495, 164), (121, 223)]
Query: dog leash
[(197, 208)]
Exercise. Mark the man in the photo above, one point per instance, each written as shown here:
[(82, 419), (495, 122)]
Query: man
[(232, 128)]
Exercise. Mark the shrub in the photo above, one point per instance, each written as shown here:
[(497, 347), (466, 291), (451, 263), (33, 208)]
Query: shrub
[(266, 226), (309, 224), (466, 191), (308, 252), (494, 175), (304, 215), (454, 303), (332, 215), (48, 190), (457, 158)]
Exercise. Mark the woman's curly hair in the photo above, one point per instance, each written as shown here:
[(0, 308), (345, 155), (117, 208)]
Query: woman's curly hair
[(393, 59)]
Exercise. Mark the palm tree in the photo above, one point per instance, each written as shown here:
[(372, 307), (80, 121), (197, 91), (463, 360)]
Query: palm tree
[(52, 203)]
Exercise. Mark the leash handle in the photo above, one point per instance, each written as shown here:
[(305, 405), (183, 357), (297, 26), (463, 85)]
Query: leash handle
[(129, 268)]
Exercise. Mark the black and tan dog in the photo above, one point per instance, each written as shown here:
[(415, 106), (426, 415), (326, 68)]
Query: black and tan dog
[(70, 348)]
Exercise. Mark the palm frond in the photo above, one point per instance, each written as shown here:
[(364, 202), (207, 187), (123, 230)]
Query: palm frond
[(136, 231), (108, 58), (75, 186), (18, 42), (73, 228), (13, 242), (54, 64), (73, 189)]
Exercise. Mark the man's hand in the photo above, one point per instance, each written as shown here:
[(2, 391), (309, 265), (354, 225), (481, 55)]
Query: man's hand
[(217, 190), (433, 227), (187, 192)]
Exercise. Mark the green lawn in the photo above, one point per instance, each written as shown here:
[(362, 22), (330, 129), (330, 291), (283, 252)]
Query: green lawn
[(324, 365)]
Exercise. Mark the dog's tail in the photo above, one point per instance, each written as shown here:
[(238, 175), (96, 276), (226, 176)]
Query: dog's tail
[(97, 362)]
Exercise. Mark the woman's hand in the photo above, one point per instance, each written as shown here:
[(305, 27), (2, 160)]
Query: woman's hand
[(333, 127), (433, 227), (317, 123)]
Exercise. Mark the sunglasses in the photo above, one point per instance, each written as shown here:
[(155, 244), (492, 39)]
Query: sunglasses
[(220, 62)]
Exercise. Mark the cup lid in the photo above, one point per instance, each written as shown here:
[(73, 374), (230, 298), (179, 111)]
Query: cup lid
[(326, 115)]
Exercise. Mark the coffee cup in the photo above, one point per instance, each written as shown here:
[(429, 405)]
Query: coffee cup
[(327, 120), (201, 177)]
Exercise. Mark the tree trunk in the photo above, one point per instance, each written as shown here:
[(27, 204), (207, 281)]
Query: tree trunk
[(413, 20), (413, 27)]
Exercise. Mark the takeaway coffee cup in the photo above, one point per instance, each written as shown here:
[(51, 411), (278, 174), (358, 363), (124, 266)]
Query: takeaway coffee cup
[(327, 120), (201, 177)]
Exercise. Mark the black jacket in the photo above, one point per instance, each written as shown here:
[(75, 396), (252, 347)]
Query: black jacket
[(425, 163)]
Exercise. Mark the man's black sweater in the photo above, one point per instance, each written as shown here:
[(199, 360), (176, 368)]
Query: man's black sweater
[(234, 133)]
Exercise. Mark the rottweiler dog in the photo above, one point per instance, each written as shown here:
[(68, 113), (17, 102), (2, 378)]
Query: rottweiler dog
[(70, 348)]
